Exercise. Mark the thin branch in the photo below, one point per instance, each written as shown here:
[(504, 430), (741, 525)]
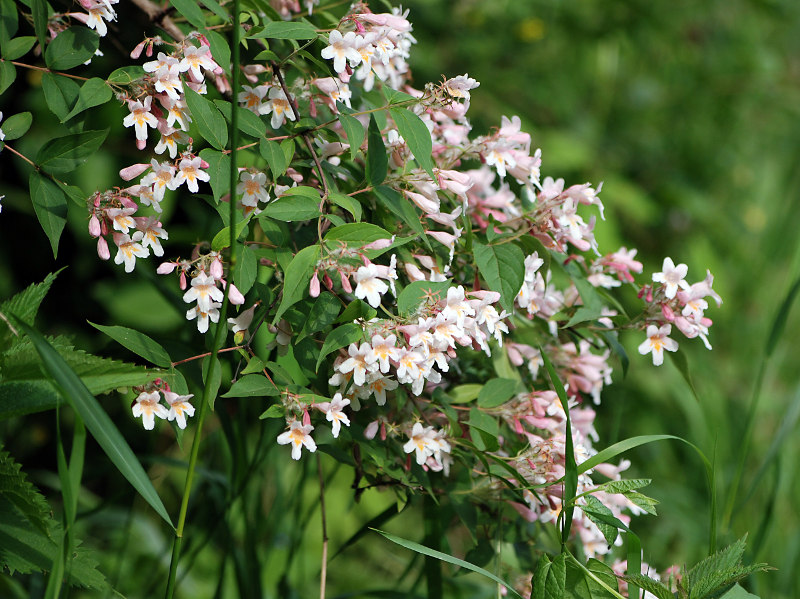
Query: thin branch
[(205, 355), (44, 69)]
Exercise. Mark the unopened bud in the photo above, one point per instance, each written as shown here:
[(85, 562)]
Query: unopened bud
[(182, 281), (166, 268), (137, 51), (313, 288), (378, 244), (102, 248), (236, 297), (345, 282), (94, 226), (328, 282)]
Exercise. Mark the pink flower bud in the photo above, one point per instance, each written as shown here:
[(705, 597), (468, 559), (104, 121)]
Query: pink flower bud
[(102, 248), (128, 203), (204, 164), (345, 282), (371, 430), (236, 297), (141, 144), (216, 268), (328, 282), (667, 312), (313, 288), (294, 175), (94, 226), (166, 268), (378, 244), (312, 108), (149, 51), (383, 431), (137, 51), (182, 281), (306, 418)]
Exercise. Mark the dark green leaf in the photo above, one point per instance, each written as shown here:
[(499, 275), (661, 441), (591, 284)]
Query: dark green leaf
[(274, 411), (245, 270), (400, 207), (417, 137), (285, 30), (126, 75), (60, 93), (377, 160), (273, 153), (496, 392), (249, 123), (415, 293), (97, 421), (71, 47), (50, 205), (7, 75), (214, 7), (595, 507), (503, 269), (354, 131), (253, 385), (191, 10), (9, 22), (212, 378), (550, 578), (323, 313), (39, 12), (220, 49), (294, 207), (93, 93), (17, 47), (63, 154), (18, 398), (206, 117), (297, 277), (352, 205), (219, 171), (17, 125), (340, 337), (138, 343), (597, 581)]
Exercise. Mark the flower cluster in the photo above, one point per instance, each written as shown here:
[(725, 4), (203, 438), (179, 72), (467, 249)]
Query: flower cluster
[(148, 405)]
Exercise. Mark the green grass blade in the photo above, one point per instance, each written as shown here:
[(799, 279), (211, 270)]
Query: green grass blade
[(447, 558), (96, 420)]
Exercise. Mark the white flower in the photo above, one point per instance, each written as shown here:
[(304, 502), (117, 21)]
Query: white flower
[(205, 291), (657, 341), (179, 407), (252, 188), (190, 171), (384, 350), (194, 58), (342, 48), (140, 117), (672, 276), (148, 406), (298, 435), (279, 106), (203, 316), (129, 249), (369, 286), (361, 361), (422, 441), (457, 307), (334, 414), (162, 177), (253, 98)]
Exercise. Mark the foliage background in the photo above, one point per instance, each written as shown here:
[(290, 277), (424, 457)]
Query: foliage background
[(688, 111)]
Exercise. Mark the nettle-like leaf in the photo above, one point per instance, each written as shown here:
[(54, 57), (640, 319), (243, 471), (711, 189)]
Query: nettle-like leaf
[(24, 305), (656, 588), (18, 491)]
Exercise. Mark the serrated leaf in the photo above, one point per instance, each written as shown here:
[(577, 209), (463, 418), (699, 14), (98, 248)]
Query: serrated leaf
[(339, 337), (18, 398), (50, 205), (248, 123), (273, 153), (354, 131), (449, 559), (724, 559), (550, 578), (71, 47), (17, 125), (496, 392), (64, 154), (18, 47), (285, 30), (415, 293), (648, 584), (245, 269), (126, 75), (377, 160), (25, 305), (219, 171), (297, 277), (17, 490), (737, 592), (60, 93), (191, 10), (625, 485), (594, 507), (97, 421), (648, 504), (253, 385), (206, 117), (138, 343), (503, 269), (93, 93), (417, 137)]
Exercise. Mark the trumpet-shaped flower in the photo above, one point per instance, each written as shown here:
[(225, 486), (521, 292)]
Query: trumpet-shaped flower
[(334, 414), (342, 48), (298, 435), (369, 286), (672, 276), (179, 407), (148, 406), (657, 341)]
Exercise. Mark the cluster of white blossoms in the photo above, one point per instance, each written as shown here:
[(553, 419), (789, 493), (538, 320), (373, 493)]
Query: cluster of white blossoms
[(96, 15), (148, 405)]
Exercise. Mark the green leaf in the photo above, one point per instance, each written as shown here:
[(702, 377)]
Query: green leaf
[(274, 411), (212, 379), (93, 93), (464, 393), (496, 392), (417, 137), (323, 313), (595, 507), (17, 125), (273, 153), (39, 13), (737, 592), (63, 154), (9, 21), (97, 421), (220, 49), (206, 117), (223, 238), (503, 269), (17, 490), (60, 93), (339, 337), (648, 504), (25, 305), (214, 7), (299, 205), (191, 10), (780, 318), (285, 30), (355, 235), (616, 449), (17, 47), (249, 123), (415, 293), (658, 589), (219, 171), (352, 205), (50, 205), (354, 131), (682, 364), (625, 485), (71, 47), (18, 398), (126, 75), (449, 559), (550, 578), (377, 160), (394, 96), (245, 269), (253, 385), (7, 75), (587, 582), (138, 343), (297, 277), (398, 205)]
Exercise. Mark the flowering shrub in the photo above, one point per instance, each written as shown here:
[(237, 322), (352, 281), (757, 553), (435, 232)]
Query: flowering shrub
[(415, 300)]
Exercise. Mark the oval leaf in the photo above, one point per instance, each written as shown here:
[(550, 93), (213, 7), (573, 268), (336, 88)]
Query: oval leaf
[(63, 154), (17, 125), (297, 277), (207, 118), (138, 343), (417, 137), (71, 47), (503, 269)]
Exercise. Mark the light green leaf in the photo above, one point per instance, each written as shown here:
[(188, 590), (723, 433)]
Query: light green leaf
[(245, 269), (276, 159), (138, 343), (93, 93), (285, 30), (355, 234), (97, 421), (253, 385), (737, 592), (594, 581), (415, 293), (274, 411), (50, 205), (191, 10), (550, 578), (464, 393), (339, 337), (223, 238), (354, 131), (496, 392), (352, 205), (71, 47), (206, 117), (503, 269), (400, 207), (417, 137), (297, 277), (220, 49), (219, 171), (17, 125), (449, 559), (63, 154), (126, 75), (297, 206)]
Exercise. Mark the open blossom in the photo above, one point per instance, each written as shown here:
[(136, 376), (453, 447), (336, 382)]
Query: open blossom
[(342, 48), (361, 361), (140, 117), (179, 407), (189, 170), (204, 290), (129, 248), (672, 276), (334, 414), (194, 58), (298, 435), (204, 315), (253, 98), (148, 406), (278, 105), (162, 177), (252, 188), (168, 81), (369, 286), (426, 443), (657, 341)]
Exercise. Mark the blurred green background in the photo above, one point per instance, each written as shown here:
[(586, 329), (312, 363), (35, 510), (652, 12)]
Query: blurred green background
[(687, 111)]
